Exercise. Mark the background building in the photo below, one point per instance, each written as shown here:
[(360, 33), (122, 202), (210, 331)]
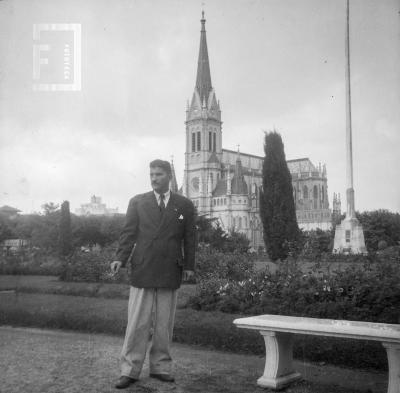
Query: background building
[(95, 207), (225, 184), (9, 212)]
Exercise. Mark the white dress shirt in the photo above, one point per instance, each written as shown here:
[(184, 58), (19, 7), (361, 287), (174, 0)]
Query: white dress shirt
[(166, 197)]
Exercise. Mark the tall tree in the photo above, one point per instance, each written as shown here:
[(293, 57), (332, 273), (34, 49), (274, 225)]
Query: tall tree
[(65, 236), (277, 209), (50, 208)]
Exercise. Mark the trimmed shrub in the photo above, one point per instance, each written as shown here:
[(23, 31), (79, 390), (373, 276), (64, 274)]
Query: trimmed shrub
[(33, 262)]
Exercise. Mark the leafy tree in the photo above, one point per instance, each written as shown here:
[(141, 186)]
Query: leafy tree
[(277, 208), (380, 225), (236, 242), (65, 235), (111, 227), (45, 234), (210, 232), (49, 208), (316, 243), (6, 231), (87, 231)]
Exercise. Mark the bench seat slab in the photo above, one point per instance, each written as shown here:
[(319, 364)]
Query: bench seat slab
[(278, 372)]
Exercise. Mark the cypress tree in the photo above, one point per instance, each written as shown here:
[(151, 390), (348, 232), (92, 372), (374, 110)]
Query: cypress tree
[(65, 236), (277, 209)]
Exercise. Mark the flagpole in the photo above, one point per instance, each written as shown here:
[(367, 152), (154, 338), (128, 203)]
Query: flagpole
[(350, 212)]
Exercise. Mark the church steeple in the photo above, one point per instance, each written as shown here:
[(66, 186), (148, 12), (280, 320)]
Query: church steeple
[(173, 183), (203, 134), (203, 80)]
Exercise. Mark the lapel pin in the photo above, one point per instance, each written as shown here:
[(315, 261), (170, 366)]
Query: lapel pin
[(180, 217)]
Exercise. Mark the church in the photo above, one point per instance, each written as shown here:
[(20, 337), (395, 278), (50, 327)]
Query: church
[(225, 184)]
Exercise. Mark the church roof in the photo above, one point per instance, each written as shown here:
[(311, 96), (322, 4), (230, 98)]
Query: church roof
[(220, 189), (243, 154), (213, 159), (301, 165), (239, 185), (203, 80)]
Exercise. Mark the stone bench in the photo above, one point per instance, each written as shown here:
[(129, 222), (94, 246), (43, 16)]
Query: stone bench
[(278, 331)]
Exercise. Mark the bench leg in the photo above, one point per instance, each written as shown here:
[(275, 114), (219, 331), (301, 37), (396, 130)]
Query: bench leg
[(278, 371), (393, 354)]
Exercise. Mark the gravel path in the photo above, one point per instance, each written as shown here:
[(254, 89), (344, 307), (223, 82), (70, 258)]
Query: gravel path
[(54, 361)]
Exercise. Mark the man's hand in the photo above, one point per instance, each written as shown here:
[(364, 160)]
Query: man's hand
[(115, 266), (187, 275)]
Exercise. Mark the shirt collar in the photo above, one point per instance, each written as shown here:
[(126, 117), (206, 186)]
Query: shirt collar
[(166, 194)]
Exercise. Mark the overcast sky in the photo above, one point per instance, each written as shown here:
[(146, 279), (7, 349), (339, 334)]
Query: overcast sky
[(274, 64)]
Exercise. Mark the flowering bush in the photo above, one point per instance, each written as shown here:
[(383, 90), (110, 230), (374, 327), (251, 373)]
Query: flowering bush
[(90, 266), (212, 263), (370, 292)]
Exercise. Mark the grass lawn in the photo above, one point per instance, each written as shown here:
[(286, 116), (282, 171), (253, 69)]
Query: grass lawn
[(38, 361), (210, 329)]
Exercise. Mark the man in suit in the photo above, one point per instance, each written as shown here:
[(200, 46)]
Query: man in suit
[(159, 240)]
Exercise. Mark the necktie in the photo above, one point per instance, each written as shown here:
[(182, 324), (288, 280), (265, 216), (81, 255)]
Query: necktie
[(162, 203)]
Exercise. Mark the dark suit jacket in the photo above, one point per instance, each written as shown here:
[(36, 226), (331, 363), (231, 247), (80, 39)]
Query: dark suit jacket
[(162, 247)]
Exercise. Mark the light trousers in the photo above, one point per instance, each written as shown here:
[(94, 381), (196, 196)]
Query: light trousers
[(149, 308)]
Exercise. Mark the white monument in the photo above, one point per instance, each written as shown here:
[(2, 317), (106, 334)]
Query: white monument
[(349, 235)]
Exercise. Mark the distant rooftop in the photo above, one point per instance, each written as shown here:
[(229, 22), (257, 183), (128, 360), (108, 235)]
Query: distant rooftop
[(8, 209)]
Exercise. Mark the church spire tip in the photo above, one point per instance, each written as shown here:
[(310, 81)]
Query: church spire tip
[(203, 79)]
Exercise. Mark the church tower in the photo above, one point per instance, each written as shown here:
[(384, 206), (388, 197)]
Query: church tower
[(203, 135)]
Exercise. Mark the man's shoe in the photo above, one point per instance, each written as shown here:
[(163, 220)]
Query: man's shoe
[(124, 382), (163, 377)]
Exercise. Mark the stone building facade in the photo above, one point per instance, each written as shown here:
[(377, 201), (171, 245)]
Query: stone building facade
[(95, 208), (225, 184)]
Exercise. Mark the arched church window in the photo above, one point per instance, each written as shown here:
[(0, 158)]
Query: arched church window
[(198, 141), (193, 142), (240, 223), (305, 192), (322, 193), (209, 141), (214, 141), (315, 196), (245, 222)]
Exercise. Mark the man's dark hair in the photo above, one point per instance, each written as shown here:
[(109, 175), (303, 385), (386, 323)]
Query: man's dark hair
[(162, 164)]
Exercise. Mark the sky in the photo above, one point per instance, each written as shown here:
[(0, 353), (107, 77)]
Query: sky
[(275, 64)]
